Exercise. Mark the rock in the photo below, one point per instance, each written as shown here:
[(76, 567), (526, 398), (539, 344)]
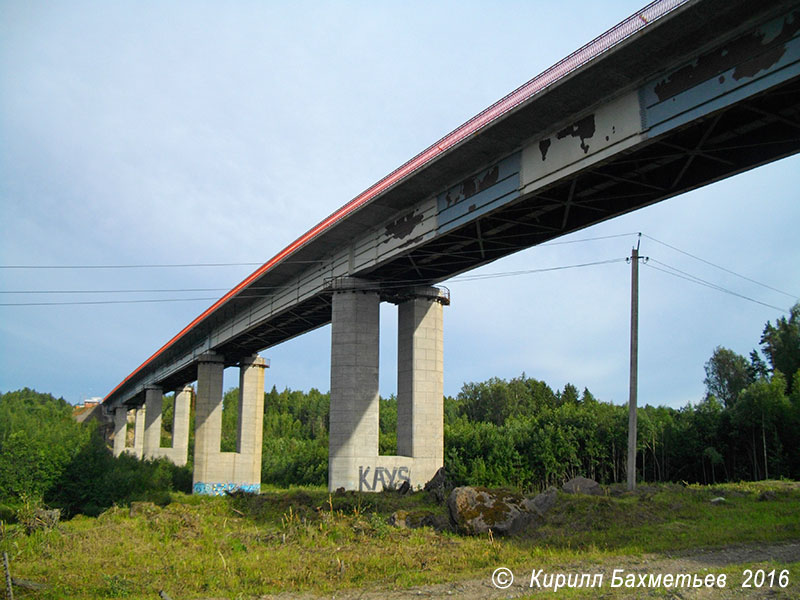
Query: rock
[(399, 519), (436, 521), (583, 485), (414, 520), (541, 503), (718, 500), (439, 486), (477, 510)]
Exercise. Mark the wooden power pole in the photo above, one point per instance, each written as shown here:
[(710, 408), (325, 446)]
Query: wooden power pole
[(631, 465)]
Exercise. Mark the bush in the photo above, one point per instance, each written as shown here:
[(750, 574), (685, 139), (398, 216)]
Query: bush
[(46, 456), (96, 480)]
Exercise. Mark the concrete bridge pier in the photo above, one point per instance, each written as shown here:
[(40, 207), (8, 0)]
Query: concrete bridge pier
[(180, 425), (120, 429), (154, 410), (216, 472), (138, 432), (420, 383), (354, 459), (353, 433)]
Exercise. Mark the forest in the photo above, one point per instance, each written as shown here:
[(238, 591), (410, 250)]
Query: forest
[(518, 433)]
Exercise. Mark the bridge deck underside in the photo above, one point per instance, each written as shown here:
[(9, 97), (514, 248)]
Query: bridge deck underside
[(762, 129)]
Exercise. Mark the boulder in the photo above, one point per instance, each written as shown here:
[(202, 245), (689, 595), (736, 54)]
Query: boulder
[(583, 485), (477, 510), (403, 519), (399, 519), (439, 486), (541, 503)]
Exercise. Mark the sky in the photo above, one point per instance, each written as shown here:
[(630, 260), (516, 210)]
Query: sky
[(142, 133)]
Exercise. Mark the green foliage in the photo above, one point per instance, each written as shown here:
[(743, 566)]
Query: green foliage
[(295, 443), (781, 344), (96, 479), (518, 432), (388, 426), (46, 456), (309, 543), (38, 439), (727, 374)]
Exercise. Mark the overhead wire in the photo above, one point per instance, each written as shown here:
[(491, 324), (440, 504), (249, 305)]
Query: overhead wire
[(721, 268), (258, 264), (669, 270), (79, 302), (154, 266), (254, 291), (392, 284)]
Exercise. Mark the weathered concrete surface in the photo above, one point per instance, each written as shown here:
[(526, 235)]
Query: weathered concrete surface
[(353, 441), (216, 472), (154, 408), (138, 432), (420, 385), (154, 403), (120, 429), (353, 444), (180, 426)]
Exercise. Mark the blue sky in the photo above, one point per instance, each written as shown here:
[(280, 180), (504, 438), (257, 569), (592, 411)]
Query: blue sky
[(153, 133)]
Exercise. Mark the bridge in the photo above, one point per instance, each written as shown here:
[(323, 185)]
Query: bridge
[(681, 94)]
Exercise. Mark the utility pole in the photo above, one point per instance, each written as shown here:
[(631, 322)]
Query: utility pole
[(631, 465)]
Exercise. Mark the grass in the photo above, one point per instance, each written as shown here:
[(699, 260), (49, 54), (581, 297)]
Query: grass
[(304, 539)]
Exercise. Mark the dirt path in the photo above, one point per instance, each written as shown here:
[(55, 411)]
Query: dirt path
[(695, 561)]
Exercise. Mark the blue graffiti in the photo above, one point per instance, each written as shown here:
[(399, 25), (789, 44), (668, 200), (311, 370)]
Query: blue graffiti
[(220, 489)]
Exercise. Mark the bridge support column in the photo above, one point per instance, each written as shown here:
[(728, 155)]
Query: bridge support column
[(247, 461), (354, 462), (120, 429), (216, 472), (154, 410), (420, 383), (179, 453), (154, 405), (138, 432), (353, 441)]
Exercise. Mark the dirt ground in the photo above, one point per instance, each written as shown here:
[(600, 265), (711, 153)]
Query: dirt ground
[(695, 561)]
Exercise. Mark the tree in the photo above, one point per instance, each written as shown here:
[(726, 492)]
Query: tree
[(727, 374), (762, 405), (757, 368), (781, 345)]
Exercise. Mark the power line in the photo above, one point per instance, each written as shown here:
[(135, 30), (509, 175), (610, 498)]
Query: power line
[(769, 287), (161, 266), (479, 277), (669, 270), (378, 285), (250, 264), (149, 300), (592, 239), (252, 292), (142, 291)]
